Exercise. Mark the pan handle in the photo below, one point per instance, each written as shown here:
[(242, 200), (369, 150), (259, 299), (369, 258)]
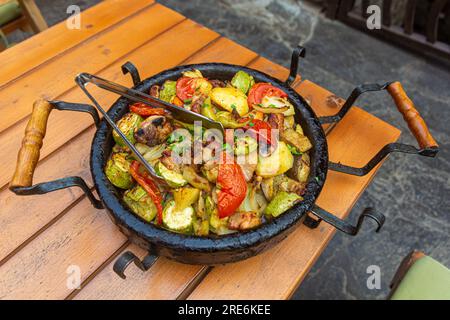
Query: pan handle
[(29, 153), (428, 146), (343, 225), (299, 52)]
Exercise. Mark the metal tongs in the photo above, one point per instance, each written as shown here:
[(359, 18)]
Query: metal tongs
[(178, 113)]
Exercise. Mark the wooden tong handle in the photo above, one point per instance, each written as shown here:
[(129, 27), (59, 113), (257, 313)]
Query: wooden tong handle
[(29, 152), (412, 117)]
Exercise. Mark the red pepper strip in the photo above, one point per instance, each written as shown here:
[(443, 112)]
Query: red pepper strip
[(149, 186), (262, 129), (144, 110), (233, 189)]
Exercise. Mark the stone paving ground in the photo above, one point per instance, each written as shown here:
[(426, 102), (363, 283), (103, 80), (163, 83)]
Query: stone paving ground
[(412, 192)]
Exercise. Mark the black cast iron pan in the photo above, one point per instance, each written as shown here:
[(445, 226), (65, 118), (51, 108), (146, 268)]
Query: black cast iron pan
[(214, 249)]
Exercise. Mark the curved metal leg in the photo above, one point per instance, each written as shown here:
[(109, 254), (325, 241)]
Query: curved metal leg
[(128, 257), (130, 68), (346, 227)]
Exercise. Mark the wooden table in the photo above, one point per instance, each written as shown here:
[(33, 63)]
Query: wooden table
[(42, 236)]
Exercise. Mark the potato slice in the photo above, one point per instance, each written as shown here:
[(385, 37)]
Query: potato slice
[(229, 99)]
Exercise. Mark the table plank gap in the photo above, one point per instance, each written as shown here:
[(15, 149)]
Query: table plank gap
[(196, 280), (107, 262)]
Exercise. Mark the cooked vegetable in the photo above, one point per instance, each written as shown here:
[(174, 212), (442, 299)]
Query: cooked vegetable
[(185, 88), (201, 227), (254, 200), (194, 179), (118, 171), (150, 153), (185, 197), (280, 161), (242, 81), (261, 90), (208, 110), (195, 73), (267, 162), (145, 110), (271, 109), (281, 202), (300, 142), (232, 188), (153, 131), (168, 91), (301, 168), (284, 183), (192, 84), (202, 86), (210, 171), (127, 124), (245, 145), (243, 221), (274, 103), (249, 166), (262, 129), (218, 225), (173, 179), (289, 122), (229, 122), (140, 203), (180, 220), (293, 150), (149, 186), (268, 188), (230, 99)]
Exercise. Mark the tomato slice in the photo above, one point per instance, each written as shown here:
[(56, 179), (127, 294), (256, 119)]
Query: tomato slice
[(185, 88), (233, 189), (262, 89), (262, 129)]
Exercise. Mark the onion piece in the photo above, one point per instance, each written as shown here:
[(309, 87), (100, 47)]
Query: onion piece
[(270, 109)]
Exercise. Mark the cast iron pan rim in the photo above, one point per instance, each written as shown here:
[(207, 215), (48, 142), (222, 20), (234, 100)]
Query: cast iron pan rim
[(161, 237)]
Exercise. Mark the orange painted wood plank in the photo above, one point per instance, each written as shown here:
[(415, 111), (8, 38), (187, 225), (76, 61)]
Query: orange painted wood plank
[(224, 51), (54, 41), (93, 55), (84, 237), (51, 164), (350, 142), (323, 102), (150, 58), (22, 217), (165, 280)]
